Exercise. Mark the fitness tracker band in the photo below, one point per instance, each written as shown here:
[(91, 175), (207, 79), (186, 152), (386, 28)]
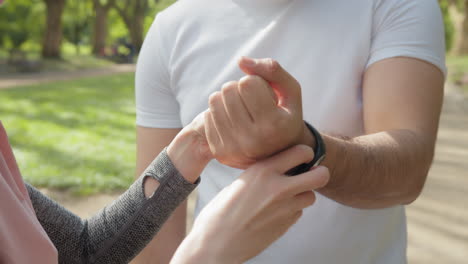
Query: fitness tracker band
[(319, 153)]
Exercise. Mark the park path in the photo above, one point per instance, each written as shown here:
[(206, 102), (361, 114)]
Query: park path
[(47, 77), (437, 221)]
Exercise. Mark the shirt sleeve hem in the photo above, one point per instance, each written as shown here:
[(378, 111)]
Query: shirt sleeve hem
[(151, 122), (392, 53)]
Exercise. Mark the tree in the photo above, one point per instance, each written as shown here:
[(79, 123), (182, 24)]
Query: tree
[(133, 14), (76, 27), (100, 30), (53, 31), (14, 34), (463, 49), (462, 34), (448, 23)]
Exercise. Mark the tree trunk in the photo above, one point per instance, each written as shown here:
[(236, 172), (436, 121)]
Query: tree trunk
[(100, 27), (133, 14), (53, 35), (464, 35), (135, 27)]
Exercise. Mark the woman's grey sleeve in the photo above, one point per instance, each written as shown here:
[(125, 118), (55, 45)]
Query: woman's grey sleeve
[(122, 229)]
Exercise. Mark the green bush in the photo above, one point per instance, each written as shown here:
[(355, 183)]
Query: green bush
[(19, 23)]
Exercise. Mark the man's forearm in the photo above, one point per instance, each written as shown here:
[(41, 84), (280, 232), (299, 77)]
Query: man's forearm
[(377, 170), (401, 104)]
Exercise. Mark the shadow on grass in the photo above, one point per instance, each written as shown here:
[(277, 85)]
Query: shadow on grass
[(121, 173), (73, 134), (74, 104)]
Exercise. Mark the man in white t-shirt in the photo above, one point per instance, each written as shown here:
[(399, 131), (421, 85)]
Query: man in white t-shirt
[(371, 73)]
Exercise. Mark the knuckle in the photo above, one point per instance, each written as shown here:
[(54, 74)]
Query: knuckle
[(213, 99), (249, 82), (246, 83), (243, 88), (229, 87), (273, 66)]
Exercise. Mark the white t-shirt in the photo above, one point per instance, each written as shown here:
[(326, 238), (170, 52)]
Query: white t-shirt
[(192, 49)]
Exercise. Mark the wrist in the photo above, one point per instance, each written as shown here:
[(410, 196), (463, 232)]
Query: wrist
[(189, 153), (312, 138), (307, 137), (197, 248)]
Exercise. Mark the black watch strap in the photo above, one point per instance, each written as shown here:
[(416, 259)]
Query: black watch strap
[(319, 153)]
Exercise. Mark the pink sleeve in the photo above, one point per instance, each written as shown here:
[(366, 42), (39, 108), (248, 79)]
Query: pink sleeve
[(22, 240)]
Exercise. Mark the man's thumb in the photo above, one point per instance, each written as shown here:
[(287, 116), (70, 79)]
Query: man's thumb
[(286, 87)]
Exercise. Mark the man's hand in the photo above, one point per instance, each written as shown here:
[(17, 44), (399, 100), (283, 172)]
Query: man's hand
[(257, 116), (401, 107), (254, 211)]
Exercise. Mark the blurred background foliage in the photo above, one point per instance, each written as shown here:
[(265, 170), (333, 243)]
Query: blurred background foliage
[(54, 29)]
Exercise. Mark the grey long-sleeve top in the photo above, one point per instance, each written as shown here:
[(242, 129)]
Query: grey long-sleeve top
[(122, 229)]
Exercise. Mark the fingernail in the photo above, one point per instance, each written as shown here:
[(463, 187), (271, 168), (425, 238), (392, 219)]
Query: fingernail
[(248, 61)]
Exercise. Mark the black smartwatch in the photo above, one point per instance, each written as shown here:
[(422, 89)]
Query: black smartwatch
[(319, 153)]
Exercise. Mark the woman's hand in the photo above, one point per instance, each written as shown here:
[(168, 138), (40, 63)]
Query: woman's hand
[(189, 151), (254, 211)]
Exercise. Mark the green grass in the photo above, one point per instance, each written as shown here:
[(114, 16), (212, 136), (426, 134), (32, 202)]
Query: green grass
[(71, 63), (77, 135), (68, 63)]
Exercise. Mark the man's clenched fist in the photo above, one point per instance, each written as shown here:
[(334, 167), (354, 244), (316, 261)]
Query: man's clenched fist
[(257, 116)]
